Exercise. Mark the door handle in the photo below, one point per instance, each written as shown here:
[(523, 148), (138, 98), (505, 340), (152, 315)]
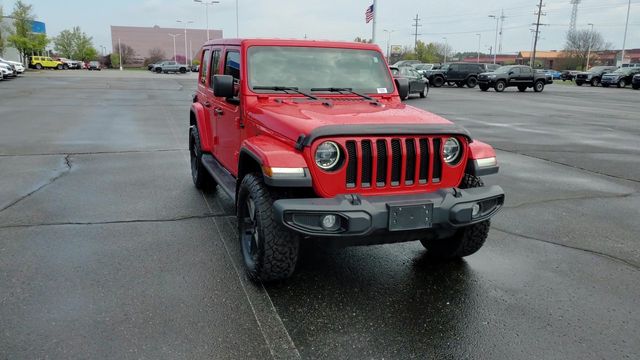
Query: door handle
[(207, 104), (218, 111)]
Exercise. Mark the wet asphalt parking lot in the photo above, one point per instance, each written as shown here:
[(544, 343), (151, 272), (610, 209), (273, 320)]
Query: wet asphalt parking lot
[(108, 251)]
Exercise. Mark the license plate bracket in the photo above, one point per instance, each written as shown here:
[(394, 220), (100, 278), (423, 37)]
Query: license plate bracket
[(410, 217)]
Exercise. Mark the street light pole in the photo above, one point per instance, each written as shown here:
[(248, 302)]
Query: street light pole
[(206, 5), (120, 53), (495, 47), (626, 27), (590, 44), (237, 23), (446, 49), (479, 39), (174, 36), (389, 32), (186, 23)]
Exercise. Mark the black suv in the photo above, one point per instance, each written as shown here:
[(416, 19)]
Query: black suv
[(514, 75), (620, 78), (460, 74), (594, 75)]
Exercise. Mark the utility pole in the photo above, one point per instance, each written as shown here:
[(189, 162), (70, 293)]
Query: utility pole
[(502, 17), (206, 5), (416, 25), (495, 47), (174, 36), (590, 44), (535, 42), (479, 39), (626, 27)]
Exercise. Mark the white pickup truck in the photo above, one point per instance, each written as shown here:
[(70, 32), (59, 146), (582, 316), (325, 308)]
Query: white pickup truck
[(170, 66)]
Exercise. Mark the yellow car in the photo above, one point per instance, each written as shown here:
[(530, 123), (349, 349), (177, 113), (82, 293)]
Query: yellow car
[(44, 62)]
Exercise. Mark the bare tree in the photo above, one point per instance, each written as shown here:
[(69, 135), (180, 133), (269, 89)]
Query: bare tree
[(580, 42), (155, 55), (127, 53)]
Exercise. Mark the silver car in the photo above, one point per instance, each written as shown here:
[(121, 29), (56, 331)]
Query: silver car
[(170, 66)]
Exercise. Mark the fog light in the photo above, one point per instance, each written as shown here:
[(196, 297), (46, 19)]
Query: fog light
[(329, 222), (475, 210)]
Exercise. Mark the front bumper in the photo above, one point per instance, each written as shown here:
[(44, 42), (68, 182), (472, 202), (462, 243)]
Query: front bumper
[(445, 209), (489, 82), (609, 81)]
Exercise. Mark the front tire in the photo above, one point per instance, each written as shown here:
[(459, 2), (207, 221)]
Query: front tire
[(200, 176), (39, 66), (270, 251), (425, 92), (595, 82), (500, 86), (438, 81), (158, 70), (467, 240), (622, 84), (183, 70)]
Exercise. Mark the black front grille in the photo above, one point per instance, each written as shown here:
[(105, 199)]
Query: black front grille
[(394, 162)]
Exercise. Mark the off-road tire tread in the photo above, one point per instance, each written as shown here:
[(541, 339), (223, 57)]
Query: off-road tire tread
[(280, 247), (467, 240), (204, 181)]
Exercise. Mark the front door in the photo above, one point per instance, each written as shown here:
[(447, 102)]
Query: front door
[(227, 112)]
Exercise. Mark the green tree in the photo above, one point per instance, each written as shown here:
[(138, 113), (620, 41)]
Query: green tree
[(115, 60), (3, 32), (75, 44), (23, 39)]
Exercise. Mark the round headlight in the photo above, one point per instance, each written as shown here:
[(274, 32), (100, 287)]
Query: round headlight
[(327, 155), (451, 151)]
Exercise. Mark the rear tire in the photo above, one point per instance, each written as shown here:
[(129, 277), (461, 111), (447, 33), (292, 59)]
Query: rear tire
[(622, 84), (269, 251), (199, 174), (500, 86), (158, 70), (425, 92), (467, 240), (472, 82), (59, 67), (183, 70), (595, 82), (538, 86), (39, 66)]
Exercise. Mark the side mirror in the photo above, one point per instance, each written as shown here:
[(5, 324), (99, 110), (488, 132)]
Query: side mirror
[(223, 86), (403, 87)]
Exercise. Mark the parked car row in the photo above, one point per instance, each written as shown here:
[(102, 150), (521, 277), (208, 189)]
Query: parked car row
[(10, 69), (46, 62), (607, 76)]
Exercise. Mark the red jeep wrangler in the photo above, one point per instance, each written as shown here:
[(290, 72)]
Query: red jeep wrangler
[(312, 141)]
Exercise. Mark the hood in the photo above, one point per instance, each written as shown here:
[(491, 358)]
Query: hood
[(293, 117)]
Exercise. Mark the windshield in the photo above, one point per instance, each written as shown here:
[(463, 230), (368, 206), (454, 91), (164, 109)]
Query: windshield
[(503, 69), (305, 68), (598, 68)]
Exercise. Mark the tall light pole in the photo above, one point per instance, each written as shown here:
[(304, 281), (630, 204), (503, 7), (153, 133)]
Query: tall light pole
[(626, 27), (446, 49), (174, 36), (590, 44), (120, 54), (206, 11), (479, 39), (103, 49), (389, 32), (237, 23), (495, 47), (186, 23)]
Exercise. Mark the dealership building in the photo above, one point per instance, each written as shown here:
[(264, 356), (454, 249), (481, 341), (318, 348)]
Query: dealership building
[(144, 39)]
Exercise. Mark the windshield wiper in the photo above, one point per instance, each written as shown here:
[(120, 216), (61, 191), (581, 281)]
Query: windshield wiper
[(285, 89), (348, 90)]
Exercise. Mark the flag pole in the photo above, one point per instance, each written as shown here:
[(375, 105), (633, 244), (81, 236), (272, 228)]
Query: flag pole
[(375, 15)]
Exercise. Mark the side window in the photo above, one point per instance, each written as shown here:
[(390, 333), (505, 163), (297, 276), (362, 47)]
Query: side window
[(454, 67), (204, 66), (215, 65), (515, 71), (525, 71), (232, 67)]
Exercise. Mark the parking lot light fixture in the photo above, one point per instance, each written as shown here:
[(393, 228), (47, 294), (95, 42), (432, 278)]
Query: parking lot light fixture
[(206, 11), (479, 40), (446, 49), (174, 36), (389, 32), (186, 24)]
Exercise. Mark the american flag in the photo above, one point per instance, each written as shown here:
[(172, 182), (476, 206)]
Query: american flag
[(369, 14)]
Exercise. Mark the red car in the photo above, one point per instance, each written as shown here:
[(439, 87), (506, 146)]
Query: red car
[(311, 140)]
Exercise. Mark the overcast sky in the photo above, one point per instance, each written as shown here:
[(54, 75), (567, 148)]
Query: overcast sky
[(457, 20)]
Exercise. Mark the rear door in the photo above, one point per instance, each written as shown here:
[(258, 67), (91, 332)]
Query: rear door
[(526, 75), (514, 76), (454, 73), (227, 112)]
